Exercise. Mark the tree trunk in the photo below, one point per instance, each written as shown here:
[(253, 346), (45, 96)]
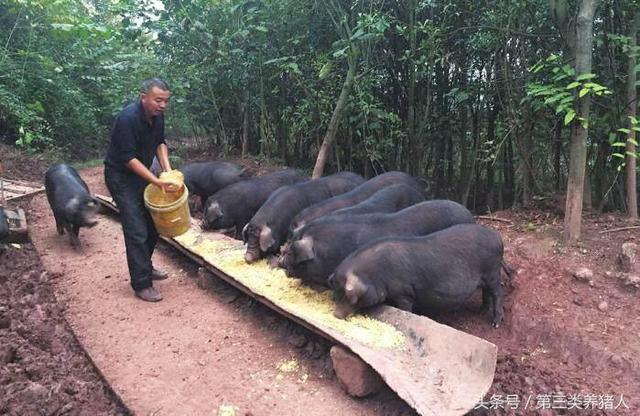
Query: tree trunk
[(245, 126), (632, 105), (442, 131), (470, 166), (412, 154), (586, 201), (578, 153), (330, 136), (557, 150)]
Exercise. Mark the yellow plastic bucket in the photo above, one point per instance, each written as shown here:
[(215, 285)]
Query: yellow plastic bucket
[(169, 210)]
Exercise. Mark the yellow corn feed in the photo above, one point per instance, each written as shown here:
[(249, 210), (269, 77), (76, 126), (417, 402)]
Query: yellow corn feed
[(289, 294), (157, 196), (289, 366)]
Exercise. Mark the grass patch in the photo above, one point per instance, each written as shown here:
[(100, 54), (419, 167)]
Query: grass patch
[(92, 163)]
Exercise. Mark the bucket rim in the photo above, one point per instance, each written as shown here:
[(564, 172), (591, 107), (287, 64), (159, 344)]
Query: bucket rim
[(164, 208)]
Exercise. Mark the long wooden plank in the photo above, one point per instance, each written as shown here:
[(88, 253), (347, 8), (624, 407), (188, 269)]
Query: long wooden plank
[(436, 369), (13, 189)]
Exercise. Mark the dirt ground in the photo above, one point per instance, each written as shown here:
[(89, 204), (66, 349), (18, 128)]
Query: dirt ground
[(568, 345)]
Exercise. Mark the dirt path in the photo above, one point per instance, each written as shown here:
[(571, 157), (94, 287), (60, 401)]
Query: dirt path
[(192, 353)]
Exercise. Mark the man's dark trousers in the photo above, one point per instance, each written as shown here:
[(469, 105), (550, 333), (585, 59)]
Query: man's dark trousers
[(140, 235)]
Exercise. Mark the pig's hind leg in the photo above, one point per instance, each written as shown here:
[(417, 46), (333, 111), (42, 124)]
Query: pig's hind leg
[(73, 231), (492, 293), (59, 225)]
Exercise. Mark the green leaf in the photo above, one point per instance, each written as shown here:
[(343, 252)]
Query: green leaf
[(583, 92), (261, 29), (294, 68), (276, 60), (569, 116), (567, 100), (341, 53), (582, 77), (632, 141), (574, 84), (619, 144), (623, 130), (62, 26), (633, 155), (325, 70), (358, 34), (552, 99), (620, 155), (536, 68)]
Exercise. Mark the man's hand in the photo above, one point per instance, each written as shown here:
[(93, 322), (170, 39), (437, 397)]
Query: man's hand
[(167, 186)]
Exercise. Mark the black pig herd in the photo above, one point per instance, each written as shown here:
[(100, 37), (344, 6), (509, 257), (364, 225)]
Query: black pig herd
[(370, 241)]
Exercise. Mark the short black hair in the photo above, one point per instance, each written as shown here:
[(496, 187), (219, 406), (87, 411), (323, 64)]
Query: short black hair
[(147, 84)]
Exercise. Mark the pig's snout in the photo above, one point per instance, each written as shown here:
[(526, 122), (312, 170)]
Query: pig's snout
[(342, 310), (251, 256)]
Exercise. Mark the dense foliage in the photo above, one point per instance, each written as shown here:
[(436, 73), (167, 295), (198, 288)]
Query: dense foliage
[(479, 97)]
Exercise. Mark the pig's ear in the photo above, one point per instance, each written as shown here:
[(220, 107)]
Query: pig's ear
[(266, 239), (214, 211), (304, 249), (72, 206), (353, 288), (245, 234)]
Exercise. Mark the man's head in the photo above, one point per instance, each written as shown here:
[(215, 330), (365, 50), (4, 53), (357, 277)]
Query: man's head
[(154, 95)]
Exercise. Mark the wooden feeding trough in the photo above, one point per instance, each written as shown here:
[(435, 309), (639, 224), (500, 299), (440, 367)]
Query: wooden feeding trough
[(18, 230), (11, 189)]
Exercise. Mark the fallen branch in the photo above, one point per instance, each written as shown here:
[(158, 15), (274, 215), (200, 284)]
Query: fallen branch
[(613, 230), (485, 217)]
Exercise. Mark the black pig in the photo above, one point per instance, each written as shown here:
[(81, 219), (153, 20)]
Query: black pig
[(439, 271), (70, 200), (318, 248), (204, 179), (234, 205), (354, 196), (268, 228), (391, 198), (4, 229)]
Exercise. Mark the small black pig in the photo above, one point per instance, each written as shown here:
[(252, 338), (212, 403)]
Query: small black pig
[(70, 200), (439, 271), (355, 196), (268, 228), (234, 205), (317, 249), (4, 228), (204, 179), (391, 198)]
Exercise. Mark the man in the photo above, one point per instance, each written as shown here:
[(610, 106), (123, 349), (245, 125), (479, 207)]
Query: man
[(136, 137)]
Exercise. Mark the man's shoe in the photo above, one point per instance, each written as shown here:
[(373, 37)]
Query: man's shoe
[(149, 294), (158, 274)]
